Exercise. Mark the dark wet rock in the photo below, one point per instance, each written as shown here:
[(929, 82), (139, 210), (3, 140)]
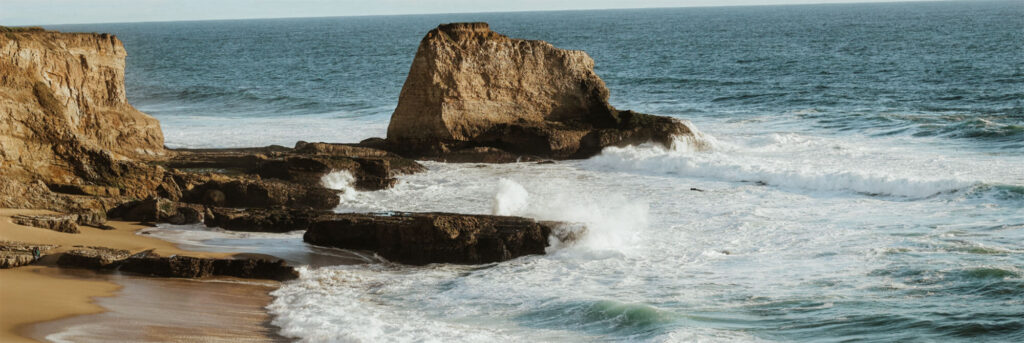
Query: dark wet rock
[(262, 193), (307, 163), (149, 264), (66, 223), (482, 155), (17, 254), (92, 257), (214, 197), (261, 219), (422, 238), (159, 210), (197, 267), (566, 233)]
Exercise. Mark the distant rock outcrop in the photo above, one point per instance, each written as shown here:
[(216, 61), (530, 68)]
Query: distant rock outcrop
[(470, 87)]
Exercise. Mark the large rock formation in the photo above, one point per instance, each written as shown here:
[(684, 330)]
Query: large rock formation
[(64, 119), (422, 238), (470, 87)]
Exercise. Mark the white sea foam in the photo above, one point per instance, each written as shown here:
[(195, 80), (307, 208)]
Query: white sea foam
[(511, 198), (783, 160), (339, 304), (696, 141), (611, 222), (340, 180)]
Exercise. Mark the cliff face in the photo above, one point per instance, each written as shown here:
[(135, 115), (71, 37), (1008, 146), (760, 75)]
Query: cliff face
[(471, 87), (63, 113)]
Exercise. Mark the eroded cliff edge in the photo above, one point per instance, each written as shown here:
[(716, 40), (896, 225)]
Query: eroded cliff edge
[(471, 89), (62, 99)]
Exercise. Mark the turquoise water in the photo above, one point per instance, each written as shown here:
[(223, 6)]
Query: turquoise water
[(864, 179)]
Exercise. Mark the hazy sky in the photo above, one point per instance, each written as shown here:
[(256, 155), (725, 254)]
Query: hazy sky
[(42, 12)]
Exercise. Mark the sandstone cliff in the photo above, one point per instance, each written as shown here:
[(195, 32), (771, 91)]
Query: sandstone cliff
[(64, 118), (470, 87)]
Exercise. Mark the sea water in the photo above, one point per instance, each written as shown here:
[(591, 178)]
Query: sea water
[(859, 173)]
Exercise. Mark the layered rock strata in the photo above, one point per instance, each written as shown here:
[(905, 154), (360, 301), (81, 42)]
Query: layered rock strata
[(66, 223), (470, 87), (64, 118), (17, 254)]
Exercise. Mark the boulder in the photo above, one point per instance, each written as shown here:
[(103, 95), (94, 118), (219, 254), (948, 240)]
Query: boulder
[(66, 223), (422, 238), (469, 87)]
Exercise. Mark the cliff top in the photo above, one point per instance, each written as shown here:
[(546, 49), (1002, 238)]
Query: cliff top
[(462, 32), (33, 31), (22, 29)]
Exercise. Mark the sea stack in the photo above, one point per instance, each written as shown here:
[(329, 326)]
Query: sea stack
[(470, 88)]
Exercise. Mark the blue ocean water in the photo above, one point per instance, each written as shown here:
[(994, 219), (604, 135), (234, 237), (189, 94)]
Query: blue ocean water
[(926, 69), (864, 181)]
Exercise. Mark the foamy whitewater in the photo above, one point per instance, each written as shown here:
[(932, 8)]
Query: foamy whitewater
[(858, 174)]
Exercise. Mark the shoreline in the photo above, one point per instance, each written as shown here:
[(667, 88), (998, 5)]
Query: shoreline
[(38, 294), (169, 310)]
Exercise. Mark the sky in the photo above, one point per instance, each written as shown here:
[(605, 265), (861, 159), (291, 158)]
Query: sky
[(50, 12)]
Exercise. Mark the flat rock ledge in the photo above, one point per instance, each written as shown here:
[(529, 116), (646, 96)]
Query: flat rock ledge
[(150, 264), (66, 223), (423, 238), (17, 254)]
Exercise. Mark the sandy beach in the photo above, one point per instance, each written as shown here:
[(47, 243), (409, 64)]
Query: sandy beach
[(36, 294)]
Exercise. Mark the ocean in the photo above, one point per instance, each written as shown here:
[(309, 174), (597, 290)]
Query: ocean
[(861, 176)]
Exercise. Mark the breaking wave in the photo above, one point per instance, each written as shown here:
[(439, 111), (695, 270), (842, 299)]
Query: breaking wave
[(793, 163), (340, 180), (609, 224)]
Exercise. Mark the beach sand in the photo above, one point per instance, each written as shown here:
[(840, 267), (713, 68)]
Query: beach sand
[(170, 310), (35, 294)]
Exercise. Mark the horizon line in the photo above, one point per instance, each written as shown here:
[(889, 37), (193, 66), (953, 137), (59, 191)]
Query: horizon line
[(843, 2)]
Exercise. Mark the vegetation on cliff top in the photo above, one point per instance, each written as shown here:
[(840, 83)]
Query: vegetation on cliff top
[(21, 29)]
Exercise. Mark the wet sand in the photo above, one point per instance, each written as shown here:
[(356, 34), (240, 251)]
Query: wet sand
[(170, 310), (34, 294)]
